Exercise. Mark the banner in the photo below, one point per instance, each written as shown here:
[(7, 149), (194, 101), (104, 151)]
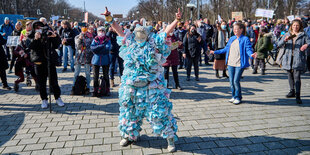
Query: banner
[(13, 41), (237, 15), (264, 13), (219, 18), (291, 17), (118, 15), (86, 17)]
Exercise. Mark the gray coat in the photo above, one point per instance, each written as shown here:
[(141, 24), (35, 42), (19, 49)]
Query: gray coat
[(83, 55), (299, 58)]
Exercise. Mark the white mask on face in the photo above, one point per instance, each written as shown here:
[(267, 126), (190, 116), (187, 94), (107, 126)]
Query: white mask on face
[(101, 34), (39, 30)]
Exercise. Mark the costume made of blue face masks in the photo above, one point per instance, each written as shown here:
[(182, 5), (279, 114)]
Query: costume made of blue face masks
[(141, 44)]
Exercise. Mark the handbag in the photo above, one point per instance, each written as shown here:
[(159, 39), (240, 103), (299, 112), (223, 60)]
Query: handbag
[(280, 56)]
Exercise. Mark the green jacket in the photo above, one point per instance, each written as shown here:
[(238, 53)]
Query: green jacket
[(261, 46)]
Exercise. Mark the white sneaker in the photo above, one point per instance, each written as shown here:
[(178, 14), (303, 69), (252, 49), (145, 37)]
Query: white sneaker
[(231, 100), (171, 146), (236, 101), (124, 142), (44, 104), (60, 102)]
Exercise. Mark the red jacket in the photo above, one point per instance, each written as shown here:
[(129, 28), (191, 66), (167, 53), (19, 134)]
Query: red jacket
[(173, 58)]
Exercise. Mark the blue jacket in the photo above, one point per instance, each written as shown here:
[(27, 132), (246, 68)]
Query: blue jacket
[(246, 50), (101, 52), (7, 29), (307, 31)]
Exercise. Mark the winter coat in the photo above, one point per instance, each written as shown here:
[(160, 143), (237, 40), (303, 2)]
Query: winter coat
[(179, 34), (299, 57), (101, 46), (115, 47), (7, 29), (261, 47), (69, 35), (173, 58), (84, 53), (192, 48), (219, 56), (3, 59), (245, 50)]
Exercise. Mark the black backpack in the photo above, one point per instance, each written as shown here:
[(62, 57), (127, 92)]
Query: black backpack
[(103, 87), (79, 87)]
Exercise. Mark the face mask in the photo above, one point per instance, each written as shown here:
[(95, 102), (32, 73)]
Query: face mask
[(192, 31), (76, 26), (100, 34), (180, 28), (223, 27), (39, 30), (256, 27), (170, 34), (84, 29)]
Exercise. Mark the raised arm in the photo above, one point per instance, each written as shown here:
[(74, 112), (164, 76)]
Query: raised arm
[(114, 25), (171, 27)]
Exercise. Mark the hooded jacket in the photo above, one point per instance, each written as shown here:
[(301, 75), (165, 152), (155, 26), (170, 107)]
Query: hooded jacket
[(261, 47), (101, 47)]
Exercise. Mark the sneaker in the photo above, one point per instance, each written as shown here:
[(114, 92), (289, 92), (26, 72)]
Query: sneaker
[(60, 102), (231, 100), (124, 142), (10, 72), (171, 146), (44, 104), (236, 101)]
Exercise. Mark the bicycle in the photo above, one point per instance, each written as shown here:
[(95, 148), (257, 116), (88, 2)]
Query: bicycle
[(272, 56)]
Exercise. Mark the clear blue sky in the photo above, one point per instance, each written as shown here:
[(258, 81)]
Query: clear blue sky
[(98, 6)]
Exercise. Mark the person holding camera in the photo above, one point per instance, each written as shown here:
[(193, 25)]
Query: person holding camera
[(84, 55), (192, 50), (43, 43), (101, 46), (67, 40)]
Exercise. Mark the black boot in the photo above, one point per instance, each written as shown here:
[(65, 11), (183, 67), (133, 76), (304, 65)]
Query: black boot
[(291, 93), (254, 71), (298, 100), (16, 87), (263, 72), (217, 73), (224, 74), (95, 93)]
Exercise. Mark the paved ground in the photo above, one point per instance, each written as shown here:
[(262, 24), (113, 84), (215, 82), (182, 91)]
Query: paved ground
[(266, 123)]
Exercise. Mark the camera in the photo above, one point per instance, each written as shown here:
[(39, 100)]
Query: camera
[(46, 32)]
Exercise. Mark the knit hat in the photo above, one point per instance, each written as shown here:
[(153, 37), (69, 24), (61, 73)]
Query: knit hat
[(6, 18)]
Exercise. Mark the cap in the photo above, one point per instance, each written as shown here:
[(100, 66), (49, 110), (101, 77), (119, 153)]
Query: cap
[(6, 18)]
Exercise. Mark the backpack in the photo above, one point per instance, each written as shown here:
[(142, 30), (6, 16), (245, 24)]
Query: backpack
[(79, 87), (103, 87)]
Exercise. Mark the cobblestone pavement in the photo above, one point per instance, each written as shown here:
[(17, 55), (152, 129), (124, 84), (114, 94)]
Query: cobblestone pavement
[(265, 123)]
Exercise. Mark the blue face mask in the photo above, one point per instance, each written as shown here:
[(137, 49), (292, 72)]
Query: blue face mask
[(223, 27), (256, 27)]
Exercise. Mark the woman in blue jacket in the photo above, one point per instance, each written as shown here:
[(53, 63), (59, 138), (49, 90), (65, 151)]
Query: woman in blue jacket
[(238, 50), (101, 46)]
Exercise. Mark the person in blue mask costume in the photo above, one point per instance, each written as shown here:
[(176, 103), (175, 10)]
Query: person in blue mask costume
[(143, 91)]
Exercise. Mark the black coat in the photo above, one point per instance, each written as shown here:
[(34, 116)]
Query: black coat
[(69, 34), (3, 59), (192, 47), (113, 37)]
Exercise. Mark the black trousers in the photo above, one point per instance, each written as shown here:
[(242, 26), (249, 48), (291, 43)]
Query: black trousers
[(181, 58), (105, 71), (42, 74), (3, 78), (192, 61), (174, 72), (294, 79), (308, 62), (260, 62), (14, 57)]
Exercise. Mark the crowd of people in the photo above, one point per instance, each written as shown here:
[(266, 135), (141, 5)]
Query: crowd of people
[(143, 52)]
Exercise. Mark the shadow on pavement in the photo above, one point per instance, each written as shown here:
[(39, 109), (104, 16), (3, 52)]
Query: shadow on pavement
[(9, 124), (230, 145)]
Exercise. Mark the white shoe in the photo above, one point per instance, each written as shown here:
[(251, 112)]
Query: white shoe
[(171, 146), (44, 104), (60, 102), (124, 142), (236, 101), (231, 100)]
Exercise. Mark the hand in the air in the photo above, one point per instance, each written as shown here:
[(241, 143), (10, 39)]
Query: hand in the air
[(178, 15), (106, 13)]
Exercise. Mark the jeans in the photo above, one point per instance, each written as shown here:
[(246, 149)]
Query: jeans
[(234, 80), (66, 50), (120, 61), (78, 70), (294, 79), (191, 61), (60, 54), (42, 73)]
